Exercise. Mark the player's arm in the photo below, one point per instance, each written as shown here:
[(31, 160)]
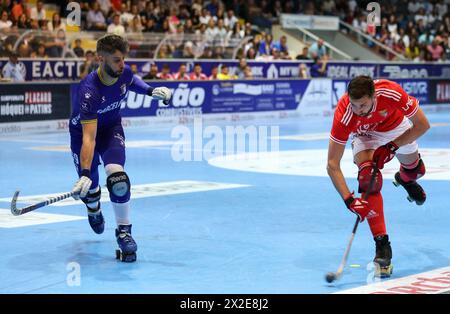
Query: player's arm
[(420, 126), (88, 146), (140, 87), (335, 153)]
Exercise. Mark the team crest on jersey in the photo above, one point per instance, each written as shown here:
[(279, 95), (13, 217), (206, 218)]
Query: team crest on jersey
[(123, 89), (383, 113)]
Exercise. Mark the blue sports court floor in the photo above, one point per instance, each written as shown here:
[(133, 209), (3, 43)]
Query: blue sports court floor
[(224, 225)]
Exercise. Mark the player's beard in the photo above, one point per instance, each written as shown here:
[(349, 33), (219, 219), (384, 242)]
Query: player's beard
[(111, 72)]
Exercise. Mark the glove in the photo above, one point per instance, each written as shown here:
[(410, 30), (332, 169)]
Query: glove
[(358, 206), (384, 154), (162, 93), (82, 186)]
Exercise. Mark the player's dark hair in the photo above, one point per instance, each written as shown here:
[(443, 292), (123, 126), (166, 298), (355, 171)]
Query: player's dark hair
[(361, 86), (110, 43)]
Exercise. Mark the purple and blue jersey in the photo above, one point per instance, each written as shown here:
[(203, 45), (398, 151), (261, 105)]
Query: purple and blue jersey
[(100, 102)]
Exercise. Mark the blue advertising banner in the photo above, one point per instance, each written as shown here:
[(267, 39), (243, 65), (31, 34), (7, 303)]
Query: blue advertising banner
[(420, 89), (205, 97), (58, 69)]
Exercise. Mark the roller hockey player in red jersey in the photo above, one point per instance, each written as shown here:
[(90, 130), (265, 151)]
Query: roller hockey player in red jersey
[(383, 121)]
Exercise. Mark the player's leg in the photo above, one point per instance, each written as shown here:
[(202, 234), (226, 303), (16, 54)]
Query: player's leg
[(92, 199), (119, 188), (363, 148), (412, 168)]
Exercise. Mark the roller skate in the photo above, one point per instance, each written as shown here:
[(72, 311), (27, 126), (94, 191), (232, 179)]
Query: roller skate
[(383, 256), (127, 246), (96, 220), (415, 191)]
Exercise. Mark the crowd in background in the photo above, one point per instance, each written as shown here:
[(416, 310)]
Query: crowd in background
[(417, 29)]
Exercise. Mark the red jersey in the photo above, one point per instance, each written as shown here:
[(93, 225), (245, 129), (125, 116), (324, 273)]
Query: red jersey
[(391, 105), (194, 76), (177, 76), (163, 76)]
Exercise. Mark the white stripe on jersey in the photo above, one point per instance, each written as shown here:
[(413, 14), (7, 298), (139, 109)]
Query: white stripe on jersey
[(390, 91), (348, 115), (337, 141), (387, 95), (414, 112)]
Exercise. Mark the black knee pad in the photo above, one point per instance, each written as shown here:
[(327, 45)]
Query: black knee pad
[(119, 187)]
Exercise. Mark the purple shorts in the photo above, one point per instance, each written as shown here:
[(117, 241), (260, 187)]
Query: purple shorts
[(110, 147)]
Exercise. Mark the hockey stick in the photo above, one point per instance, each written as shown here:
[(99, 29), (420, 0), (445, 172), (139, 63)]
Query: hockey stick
[(20, 211), (330, 277)]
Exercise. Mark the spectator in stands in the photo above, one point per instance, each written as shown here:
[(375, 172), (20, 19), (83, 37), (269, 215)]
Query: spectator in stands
[(41, 52), (105, 6), (95, 18), (5, 23), (153, 73), (134, 69), (211, 32), (436, 51), (304, 55), (14, 70), (188, 51), (77, 49), (413, 51), (56, 24), (38, 12), (265, 48), (281, 45), (303, 71), (230, 20), (23, 22), (165, 73), (328, 7), (224, 73), (55, 47), (248, 75), (221, 32), (116, 27), (17, 10), (317, 49), (182, 73), (251, 54), (212, 7), (173, 20), (90, 64), (214, 73), (236, 32), (318, 68), (165, 52), (197, 73), (240, 71), (125, 16)]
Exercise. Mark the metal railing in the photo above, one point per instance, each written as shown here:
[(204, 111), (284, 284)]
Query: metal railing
[(360, 35), (308, 37)]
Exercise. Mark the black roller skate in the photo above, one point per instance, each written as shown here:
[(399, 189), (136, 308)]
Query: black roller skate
[(415, 191), (383, 256), (127, 246)]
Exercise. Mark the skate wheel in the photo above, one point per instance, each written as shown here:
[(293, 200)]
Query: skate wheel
[(128, 258), (118, 254), (410, 199)]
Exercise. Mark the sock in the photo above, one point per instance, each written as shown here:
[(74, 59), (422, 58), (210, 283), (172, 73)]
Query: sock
[(122, 211), (375, 218), (412, 172)]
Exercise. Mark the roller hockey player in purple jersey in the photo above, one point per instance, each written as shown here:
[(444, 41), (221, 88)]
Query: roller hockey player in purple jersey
[(96, 132)]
